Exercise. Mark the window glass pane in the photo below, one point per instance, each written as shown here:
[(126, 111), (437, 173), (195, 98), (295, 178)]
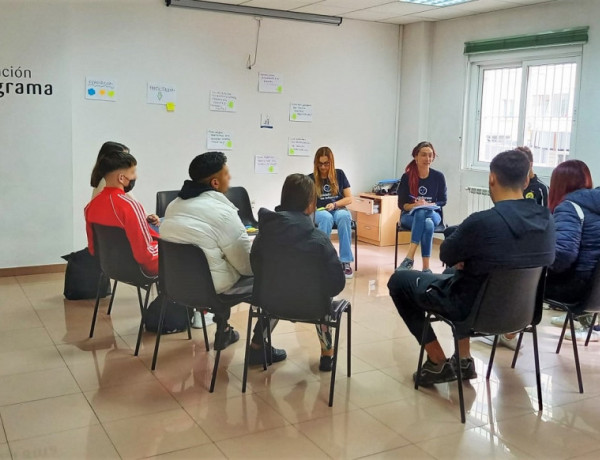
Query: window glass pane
[(499, 113), (549, 112)]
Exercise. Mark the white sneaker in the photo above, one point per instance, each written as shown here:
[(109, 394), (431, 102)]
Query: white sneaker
[(581, 335), (197, 319), (502, 341), (558, 320)]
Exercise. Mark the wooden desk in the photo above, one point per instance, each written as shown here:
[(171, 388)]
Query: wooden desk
[(376, 219)]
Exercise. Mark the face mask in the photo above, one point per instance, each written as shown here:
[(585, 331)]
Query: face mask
[(130, 186)]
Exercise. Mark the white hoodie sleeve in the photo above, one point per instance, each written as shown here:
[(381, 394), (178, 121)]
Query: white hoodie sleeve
[(235, 243)]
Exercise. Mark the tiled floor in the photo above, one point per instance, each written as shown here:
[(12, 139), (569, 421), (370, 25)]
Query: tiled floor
[(63, 395)]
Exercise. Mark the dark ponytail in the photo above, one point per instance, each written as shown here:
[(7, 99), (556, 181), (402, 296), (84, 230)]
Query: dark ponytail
[(108, 148), (412, 170)]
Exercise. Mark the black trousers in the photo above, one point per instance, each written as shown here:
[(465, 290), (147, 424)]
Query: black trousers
[(413, 292)]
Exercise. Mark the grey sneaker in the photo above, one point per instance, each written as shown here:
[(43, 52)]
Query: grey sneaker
[(432, 373), (426, 270), (348, 273), (407, 264), (467, 367)]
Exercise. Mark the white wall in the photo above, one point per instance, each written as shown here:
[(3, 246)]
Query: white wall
[(349, 74), (447, 85)]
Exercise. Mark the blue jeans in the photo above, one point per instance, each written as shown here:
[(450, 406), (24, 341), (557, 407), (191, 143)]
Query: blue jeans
[(343, 220), (422, 222)]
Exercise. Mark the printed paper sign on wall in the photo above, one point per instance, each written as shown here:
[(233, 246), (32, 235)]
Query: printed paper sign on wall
[(301, 112), (222, 101), (219, 140), (161, 93), (100, 89), (266, 164), (270, 82), (299, 147)]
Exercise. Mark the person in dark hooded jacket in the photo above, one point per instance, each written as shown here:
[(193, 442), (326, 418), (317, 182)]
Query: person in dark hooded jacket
[(576, 208), (289, 238), (515, 233)]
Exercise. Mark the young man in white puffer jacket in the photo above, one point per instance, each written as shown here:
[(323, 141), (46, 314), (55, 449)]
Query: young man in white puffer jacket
[(202, 215)]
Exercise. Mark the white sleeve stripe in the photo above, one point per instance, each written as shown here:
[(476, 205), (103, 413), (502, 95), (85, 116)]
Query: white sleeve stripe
[(142, 223)]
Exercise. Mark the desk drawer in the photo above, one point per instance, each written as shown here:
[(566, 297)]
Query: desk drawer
[(366, 205), (371, 220), (368, 231)]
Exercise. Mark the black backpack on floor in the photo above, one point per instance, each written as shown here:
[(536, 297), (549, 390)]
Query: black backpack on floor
[(176, 317), (82, 276)]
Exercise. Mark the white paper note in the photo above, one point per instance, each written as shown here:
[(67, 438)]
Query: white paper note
[(161, 93), (301, 112), (299, 147), (219, 140), (100, 89), (266, 164), (222, 101), (270, 82)]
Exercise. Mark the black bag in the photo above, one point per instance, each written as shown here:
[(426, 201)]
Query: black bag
[(82, 276), (176, 317)]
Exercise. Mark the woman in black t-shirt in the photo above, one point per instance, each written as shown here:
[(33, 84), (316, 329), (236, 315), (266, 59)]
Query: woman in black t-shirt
[(333, 195), (421, 195)]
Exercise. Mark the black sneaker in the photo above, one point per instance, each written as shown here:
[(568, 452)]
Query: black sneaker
[(226, 338), (256, 356), (432, 373), (326, 363), (467, 367)]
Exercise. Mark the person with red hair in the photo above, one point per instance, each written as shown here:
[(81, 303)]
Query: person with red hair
[(421, 195), (576, 209)]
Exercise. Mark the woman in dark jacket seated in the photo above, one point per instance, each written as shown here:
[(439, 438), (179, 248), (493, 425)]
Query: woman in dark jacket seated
[(576, 209), (296, 268)]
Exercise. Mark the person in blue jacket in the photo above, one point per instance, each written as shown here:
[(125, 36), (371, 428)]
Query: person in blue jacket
[(576, 209), (421, 195)]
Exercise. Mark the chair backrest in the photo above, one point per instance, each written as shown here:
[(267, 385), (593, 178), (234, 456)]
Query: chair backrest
[(115, 255), (592, 301), (163, 199), (184, 275), (239, 197), (509, 301)]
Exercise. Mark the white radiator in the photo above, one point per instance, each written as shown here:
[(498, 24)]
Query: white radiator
[(478, 199)]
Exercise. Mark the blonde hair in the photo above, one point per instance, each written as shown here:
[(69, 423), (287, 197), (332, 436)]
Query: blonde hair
[(332, 176)]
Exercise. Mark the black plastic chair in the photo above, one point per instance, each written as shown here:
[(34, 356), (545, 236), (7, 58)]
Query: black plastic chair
[(590, 304), (240, 198), (399, 228), (509, 301), (185, 278), (163, 199), (117, 262)]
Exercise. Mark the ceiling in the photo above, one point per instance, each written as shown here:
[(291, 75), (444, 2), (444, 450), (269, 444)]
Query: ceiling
[(390, 11)]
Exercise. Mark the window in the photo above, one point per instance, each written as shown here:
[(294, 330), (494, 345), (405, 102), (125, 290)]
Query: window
[(522, 98)]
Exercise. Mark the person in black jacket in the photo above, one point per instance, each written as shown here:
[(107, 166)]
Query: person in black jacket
[(289, 238), (536, 190), (515, 233)]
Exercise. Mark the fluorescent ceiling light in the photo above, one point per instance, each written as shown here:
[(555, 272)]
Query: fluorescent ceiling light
[(439, 3), (259, 12)]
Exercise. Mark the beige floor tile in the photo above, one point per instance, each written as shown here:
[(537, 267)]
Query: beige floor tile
[(402, 352), (282, 374), (154, 434), (5, 452), (24, 339), (373, 388), (25, 318), (23, 361), (423, 417), (351, 435), (72, 331), (96, 350), (124, 371), (594, 455), (234, 417), (36, 385), (286, 442), (411, 452), (2, 433), (125, 401), (203, 452), (90, 443), (306, 401), (476, 443), (46, 416)]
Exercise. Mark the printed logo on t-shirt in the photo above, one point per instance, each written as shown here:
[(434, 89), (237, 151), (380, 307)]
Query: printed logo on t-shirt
[(530, 195), (422, 190), (326, 188)]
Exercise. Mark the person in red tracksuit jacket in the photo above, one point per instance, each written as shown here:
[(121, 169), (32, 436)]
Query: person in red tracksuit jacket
[(114, 208)]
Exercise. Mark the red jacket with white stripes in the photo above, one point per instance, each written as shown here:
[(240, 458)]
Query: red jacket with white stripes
[(114, 208)]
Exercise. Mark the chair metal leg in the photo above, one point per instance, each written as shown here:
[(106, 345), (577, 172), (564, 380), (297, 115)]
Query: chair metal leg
[(269, 351), (422, 351), (93, 326), (516, 355), (575, 353), (461, 397), (112, 297), (189, 323), (247, 354), (591, 329), (562, 334), (396, 251), (139, 293), (536, 357), (204, 332), (335, 357), (349, 339), (492, 355), (355, 249), (161, 320), (143, 307), (215, 369)]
